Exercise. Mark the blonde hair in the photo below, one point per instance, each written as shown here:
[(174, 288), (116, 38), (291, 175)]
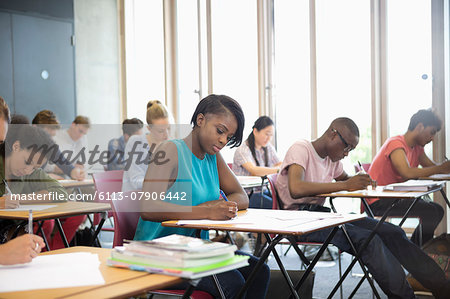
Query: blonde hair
[(156, 110)]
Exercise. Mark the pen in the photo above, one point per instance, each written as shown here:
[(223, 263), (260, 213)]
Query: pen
[(223, 195), (8, 191), (30, 221), (360, 167)]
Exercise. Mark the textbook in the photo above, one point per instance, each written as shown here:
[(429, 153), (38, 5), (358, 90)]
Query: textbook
[(414, 185), (180, 246), (119, 253), (237, 261)]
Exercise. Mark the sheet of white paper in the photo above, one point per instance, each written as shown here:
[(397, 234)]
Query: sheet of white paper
[(296, 217), (31, 207), (52, 271)]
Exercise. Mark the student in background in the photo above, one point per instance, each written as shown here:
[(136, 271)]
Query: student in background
[(257, 157), (195, 166), (310, 168), (141, 145), (398, 160), (19, 119), (48, 121), (116, 146), (24, 248), (25, 149), (74, 139)]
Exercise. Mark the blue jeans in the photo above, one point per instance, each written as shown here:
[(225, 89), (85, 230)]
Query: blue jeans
[(258, 202), (232, 281), (384, 256)]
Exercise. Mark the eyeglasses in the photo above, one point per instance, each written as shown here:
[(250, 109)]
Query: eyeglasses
[(348, 147)]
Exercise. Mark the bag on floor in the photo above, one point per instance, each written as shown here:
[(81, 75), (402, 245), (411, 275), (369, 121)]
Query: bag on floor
[(439, 250)]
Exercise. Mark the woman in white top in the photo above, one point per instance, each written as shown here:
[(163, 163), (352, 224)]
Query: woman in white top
[(257, 157), (140, 147)]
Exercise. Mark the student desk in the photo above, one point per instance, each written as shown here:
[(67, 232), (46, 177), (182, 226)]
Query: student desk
[(248, 182), (280, 230), (439, 177), (62, 209), (363, 194), (76, 183), (119, 283)]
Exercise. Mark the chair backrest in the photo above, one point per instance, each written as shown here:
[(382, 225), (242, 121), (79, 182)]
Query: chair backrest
[(276, 201), (365, 166), (126, 216), (108, 181)]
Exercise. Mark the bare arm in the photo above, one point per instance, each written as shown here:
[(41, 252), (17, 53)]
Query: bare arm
[(401, 165), (298, 187), (260, 170), (230, 185), (161, 177)]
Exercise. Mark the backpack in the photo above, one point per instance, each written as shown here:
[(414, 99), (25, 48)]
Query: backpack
[(439, 250)]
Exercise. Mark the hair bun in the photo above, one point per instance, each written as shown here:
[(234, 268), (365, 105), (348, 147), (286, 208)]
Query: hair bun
[(152, 102)]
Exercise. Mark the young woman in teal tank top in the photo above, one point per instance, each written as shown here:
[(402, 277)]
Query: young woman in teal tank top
[(193, 169)]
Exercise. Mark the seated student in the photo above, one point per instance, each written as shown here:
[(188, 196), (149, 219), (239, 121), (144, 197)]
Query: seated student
[(25, 149), (398, 160), (195, 166), (116, 146), (19, 119), (24, 248), (74, 140), (141, 146), (47, 121), (309, 168), (256, 156)]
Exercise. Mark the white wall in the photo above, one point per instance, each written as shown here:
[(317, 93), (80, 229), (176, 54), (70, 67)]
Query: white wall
[(97, 60)]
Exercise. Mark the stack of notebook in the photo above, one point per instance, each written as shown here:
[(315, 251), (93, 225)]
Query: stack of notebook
[(414, 185), (178, 255)]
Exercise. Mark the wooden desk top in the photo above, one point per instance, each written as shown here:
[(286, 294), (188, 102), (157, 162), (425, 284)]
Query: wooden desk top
[(75, 183), (119, 283), (62, 209), (267, 222), (378, 194)]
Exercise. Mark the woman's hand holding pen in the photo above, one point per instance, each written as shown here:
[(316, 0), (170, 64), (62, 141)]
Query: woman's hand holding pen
[(221, 209), (21, 249), (7, 203)]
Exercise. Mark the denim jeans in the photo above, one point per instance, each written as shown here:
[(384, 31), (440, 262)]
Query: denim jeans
[(258, 202), (384, 256), (430, 213), (232, 281)]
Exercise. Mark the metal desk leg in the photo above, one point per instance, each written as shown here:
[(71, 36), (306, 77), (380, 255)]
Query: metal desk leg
[(316, 259), (407, 212), (218, 287), (41, 231), (282, 269), (363, 247), (258, 265), (361, 264), (445, 196), (61, 232)]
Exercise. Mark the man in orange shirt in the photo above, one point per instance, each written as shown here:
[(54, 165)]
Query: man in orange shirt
[(399, 159)]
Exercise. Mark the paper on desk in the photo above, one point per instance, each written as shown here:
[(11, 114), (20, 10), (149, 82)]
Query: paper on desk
[(31, 207), (52, 271), (261, 215)]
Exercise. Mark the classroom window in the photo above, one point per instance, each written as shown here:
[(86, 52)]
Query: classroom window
[(409, 62), (235, 56), (188, 62), (344, 71), (292, 88), (144, 44)]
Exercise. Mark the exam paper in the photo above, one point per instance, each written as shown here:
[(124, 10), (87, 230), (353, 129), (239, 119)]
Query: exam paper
[(52, 271)]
